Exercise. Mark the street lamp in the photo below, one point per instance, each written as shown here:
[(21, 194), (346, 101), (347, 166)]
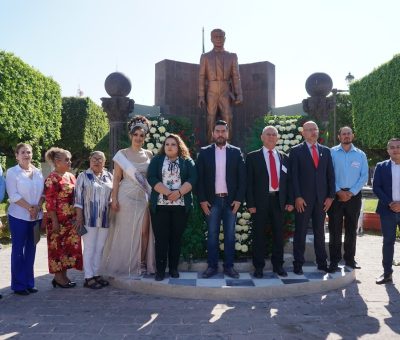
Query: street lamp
[(349, 78)]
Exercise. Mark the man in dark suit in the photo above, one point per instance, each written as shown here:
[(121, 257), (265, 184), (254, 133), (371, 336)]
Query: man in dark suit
[(313, 181), (268, 195), (221, 189), (219, 82), (386, 186)]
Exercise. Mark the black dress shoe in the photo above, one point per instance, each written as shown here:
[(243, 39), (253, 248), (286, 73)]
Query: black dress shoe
[(209, 272), (21, 292), (298, 269), (231, 273), (353, 265), (333, 268), (280, 271), (174, 273), (159, 276), (258, 274), (32, 290), (384, 278)]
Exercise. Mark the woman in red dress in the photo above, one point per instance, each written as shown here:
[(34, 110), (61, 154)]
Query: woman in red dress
[(63, 242)]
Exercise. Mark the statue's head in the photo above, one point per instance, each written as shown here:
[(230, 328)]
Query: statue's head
[(218, 37)]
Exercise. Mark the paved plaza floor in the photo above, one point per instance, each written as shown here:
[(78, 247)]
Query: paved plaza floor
[(361, 310)]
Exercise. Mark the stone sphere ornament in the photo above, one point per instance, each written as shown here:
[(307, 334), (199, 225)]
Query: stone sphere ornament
[(117, 84), (319, 84)]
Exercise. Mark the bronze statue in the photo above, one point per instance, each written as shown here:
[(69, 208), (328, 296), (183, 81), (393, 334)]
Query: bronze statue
[(219, 82)]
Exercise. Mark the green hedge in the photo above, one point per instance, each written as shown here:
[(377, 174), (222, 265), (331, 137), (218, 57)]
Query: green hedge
[(30, 107), (84, 126), (376, 105)]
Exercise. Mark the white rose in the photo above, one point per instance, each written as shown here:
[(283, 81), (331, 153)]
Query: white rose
[(244, 248), (221, 246), (271, 121), (293, 126), (288, 128), (147, 139), (161, 129), (281, 128), (221, 236), (280, 141), (221, 227), (156, 135), (285, 148), (238, 215), (238, 227), (246, 215), (242, 221), (245, 228), (279, 147), (150, 146), (162, 139), (166, 134), (300, 128), (155, 151), (158, 145), (237, 237), (286, 142), (153, 130), (290, 135), (166, 121), (299, 137), (245, 237), (238, 246), (154, 122), (284, 136)]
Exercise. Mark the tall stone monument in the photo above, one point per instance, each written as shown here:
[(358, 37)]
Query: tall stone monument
[(318, 106), (118, 107)]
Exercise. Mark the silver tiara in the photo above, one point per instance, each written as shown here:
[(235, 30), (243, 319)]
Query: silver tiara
[(141, 125)]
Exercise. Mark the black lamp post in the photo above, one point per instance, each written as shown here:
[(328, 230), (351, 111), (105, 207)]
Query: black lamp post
[(349, 78)]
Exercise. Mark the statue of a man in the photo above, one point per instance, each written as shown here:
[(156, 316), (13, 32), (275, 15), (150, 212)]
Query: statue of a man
[(219, 82)]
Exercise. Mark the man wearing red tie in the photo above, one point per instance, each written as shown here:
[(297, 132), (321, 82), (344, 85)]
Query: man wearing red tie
[(268, 195), (313, 182)]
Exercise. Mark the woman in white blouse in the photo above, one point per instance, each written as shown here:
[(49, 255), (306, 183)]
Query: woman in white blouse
[(92, 201), (24, 183)]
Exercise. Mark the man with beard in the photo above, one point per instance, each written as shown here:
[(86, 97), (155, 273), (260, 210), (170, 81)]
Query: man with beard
[(221, 190), (351, 174)]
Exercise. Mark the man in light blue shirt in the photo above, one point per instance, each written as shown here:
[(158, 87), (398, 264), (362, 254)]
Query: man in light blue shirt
[(351, 174)]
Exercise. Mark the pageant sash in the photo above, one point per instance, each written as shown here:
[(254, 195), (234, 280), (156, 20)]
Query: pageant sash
[(132, 172)]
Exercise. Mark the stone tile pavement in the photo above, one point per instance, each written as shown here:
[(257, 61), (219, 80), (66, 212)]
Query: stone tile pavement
[(362, 310)]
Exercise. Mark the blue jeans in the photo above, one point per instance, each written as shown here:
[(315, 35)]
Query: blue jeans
[(389, 225), (22, 253), (221, 210)]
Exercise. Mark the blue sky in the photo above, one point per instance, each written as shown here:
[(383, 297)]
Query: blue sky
[(79, 43)]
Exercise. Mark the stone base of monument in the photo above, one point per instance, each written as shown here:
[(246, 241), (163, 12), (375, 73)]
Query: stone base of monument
[(191, 285)]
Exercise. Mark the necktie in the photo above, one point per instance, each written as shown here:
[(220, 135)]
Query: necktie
[(315, 155), (219, 66), (272, 169)]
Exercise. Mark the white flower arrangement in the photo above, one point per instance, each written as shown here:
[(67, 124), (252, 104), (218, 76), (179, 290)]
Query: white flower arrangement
[(157, 134)]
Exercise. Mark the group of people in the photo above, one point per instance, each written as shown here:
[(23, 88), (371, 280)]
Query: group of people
[(132, 221)]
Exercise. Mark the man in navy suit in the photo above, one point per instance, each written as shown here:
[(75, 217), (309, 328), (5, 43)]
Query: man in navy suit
[(313, 181), (221, 190), (386, 186), (268, 195)]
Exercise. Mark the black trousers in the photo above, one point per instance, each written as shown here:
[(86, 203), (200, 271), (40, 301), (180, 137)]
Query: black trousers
[(315, 211), (169, 223), (271, 217), (343, 214)]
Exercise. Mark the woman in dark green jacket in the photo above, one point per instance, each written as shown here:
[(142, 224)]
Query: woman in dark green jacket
[(172, 175)]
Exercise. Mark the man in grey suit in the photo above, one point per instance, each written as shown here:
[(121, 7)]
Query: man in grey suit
[(219, 82)]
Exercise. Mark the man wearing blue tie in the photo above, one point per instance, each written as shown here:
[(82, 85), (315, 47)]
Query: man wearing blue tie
[(314, 189)]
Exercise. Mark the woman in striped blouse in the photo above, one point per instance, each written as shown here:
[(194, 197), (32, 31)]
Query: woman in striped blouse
[(92, 202)]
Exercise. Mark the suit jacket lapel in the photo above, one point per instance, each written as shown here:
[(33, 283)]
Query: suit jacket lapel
[(212, 160)]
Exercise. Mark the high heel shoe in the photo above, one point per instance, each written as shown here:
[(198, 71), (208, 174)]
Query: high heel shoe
[(57, 284)]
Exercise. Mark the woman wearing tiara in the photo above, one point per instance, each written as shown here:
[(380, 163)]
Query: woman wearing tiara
[(129, 249)]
